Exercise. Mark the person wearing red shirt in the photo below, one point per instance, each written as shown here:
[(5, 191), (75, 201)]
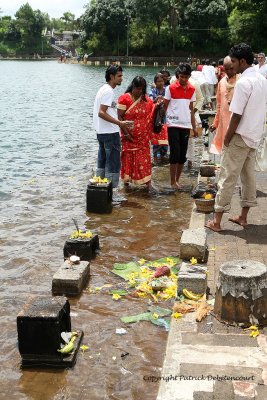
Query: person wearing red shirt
[(180, 118)]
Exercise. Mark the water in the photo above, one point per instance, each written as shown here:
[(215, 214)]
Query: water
[(48, 149)]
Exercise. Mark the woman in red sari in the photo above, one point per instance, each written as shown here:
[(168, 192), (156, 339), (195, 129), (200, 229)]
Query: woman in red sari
[(134, 105)]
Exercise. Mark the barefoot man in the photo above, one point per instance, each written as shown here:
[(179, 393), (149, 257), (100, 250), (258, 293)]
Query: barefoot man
[(242, 138), (180, 118)]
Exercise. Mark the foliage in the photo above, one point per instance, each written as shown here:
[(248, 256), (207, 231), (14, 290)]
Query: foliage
[(159, 27), (144, 27), (247, 24), (24, 34)]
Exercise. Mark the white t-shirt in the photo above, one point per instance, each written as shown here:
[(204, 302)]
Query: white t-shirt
[(105, 96), (178, 112), (262, 70), (209, 73), (199, 77), (249, 100)]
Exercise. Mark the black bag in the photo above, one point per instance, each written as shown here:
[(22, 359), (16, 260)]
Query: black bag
[(158, 118)]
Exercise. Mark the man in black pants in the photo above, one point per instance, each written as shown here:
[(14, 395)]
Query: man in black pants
[(180, 118)]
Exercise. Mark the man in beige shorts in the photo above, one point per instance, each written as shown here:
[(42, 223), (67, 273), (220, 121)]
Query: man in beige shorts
[(242, 138)]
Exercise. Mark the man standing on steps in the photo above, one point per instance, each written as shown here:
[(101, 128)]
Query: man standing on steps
[(224, 97), (107, 124), (242, 138)]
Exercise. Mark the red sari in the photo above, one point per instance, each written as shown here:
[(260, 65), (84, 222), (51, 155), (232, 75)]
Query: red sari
[(135, 155)]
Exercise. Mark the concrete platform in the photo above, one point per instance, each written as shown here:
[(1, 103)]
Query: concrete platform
[(57, 361), (70, 279), (210, 360)]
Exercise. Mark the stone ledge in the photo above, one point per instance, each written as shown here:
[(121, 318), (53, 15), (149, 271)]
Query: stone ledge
[(193, 278), (193, 243), (69, 280)]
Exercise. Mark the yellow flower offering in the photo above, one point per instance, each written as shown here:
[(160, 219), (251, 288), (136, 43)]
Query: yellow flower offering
[(193, 261), (116, 296), (84, 347), (254, 333), (81, 234), (208, 196), (98, 180), (141, 261), (177, 315)]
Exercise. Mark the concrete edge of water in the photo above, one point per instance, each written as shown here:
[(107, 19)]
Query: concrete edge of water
[(171, 365)]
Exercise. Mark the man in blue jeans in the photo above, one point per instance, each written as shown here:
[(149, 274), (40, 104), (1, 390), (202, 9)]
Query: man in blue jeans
[(107, 124)]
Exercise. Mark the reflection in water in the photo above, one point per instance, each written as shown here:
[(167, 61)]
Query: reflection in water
[(47, 156), (54, 384)]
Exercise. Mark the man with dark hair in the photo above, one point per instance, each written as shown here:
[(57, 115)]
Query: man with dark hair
[(106, 123), (242, 138), (180, 118), (261, 67)]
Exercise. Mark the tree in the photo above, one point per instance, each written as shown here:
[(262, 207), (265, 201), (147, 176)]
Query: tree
[(150, 12), (68, 18), (247, 23), (30, 24), (107, 18)]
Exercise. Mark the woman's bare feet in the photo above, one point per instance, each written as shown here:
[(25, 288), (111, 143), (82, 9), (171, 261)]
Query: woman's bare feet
[(211, 224), (238, 220)]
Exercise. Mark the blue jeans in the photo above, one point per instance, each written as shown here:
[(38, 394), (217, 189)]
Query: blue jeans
[(108, 160)]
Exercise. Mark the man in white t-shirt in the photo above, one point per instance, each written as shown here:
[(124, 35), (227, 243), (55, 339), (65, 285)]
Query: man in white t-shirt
[(242, 138), (106, 124), (210, 76), (261, 67)]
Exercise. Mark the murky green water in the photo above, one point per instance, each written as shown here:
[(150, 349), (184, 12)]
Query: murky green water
[(48, 149)]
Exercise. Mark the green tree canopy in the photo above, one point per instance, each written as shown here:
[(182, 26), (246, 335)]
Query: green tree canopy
[(247, 22)]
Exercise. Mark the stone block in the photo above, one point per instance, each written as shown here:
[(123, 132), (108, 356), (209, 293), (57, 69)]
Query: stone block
[(39, 325), (194, 244), (99, 198), (241, 293), (193, 278), (70, 279), (83, 248)]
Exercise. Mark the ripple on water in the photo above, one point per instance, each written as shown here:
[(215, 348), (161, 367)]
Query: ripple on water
[(48, 153)]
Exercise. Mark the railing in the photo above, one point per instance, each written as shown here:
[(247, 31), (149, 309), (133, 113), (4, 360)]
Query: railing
[(63, 42), (60, 49), (137, 60)]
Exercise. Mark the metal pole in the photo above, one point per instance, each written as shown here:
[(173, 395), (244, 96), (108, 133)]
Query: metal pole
[(127, 51)]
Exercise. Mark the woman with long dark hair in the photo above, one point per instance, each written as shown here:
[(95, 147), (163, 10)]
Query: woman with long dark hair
[(135, 105)]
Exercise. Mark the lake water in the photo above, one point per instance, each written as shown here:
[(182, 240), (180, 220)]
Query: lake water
[(48, 150)]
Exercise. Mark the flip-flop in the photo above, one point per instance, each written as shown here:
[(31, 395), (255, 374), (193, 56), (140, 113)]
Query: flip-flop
[(237, 222), (210, 226)]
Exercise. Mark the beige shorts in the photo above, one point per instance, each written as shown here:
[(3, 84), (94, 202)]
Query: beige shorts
[(237, 159)]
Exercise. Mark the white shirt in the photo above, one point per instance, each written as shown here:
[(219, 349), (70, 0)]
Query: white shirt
[(209, 73), (178, 113), (199, 77), (105, 96), (249, 100), (262, 70)]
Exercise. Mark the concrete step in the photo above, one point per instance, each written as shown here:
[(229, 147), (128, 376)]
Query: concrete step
[(203, 396), (223, 391), (261, 392)]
